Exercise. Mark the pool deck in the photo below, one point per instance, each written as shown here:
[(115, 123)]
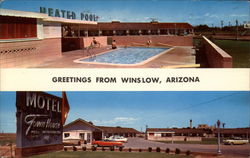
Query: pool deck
[(176, 57)]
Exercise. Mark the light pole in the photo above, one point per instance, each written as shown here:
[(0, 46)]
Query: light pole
[(218, 125)]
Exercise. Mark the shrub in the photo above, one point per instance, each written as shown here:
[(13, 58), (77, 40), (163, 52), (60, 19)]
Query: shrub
[(84, 148), (129, 149), (120, 148), (74, 148), (149, 149), (158, 149), (112, 148), (93, 148), (65, 149), (167, 150), (140, 150), (177, 151), (188, 152), (103, 149)]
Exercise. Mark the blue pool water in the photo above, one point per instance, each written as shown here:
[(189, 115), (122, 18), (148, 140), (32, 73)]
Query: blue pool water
[(131, 55)]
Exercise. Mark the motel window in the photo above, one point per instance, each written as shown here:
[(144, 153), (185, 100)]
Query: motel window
[(151, 134), (17, 27), (66, 135), (166, 134)]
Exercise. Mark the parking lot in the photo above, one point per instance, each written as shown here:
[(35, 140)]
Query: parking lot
[(234, 150)]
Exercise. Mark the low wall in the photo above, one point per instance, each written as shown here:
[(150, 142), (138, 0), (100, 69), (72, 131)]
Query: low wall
[(87, 41), (69, 44), (27, 53), (174, 138), (164, 39), (216, 57)]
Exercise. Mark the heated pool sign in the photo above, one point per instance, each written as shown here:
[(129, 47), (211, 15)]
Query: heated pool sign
[(60, 13)]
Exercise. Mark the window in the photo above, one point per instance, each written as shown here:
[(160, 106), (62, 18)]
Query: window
[(151, 134), (17, 27), (66, 135), (81, 135), (166, 134)]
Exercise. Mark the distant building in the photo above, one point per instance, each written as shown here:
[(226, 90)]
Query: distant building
[(194, 134), (203, 126), (177, 134), (87, 132), (121, 131)]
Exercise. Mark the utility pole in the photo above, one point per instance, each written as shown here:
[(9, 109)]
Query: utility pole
[(1, 1), (236, 21), (218, 126), (222, 23)]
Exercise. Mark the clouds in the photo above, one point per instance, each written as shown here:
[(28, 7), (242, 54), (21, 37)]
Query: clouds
[(116, 121)]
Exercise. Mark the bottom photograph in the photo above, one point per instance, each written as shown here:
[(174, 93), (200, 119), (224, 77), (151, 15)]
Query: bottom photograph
[(125, 124)]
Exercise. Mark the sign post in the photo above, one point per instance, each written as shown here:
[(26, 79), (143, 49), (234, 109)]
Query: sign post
[(39, 123)]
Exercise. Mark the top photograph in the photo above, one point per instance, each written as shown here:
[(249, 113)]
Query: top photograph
[(124, 34)]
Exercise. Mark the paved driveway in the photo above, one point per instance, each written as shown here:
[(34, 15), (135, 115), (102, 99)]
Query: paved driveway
[(240, 150)]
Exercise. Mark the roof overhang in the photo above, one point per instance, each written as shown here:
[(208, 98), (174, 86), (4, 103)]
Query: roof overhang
[(24, 14), (44, 17)]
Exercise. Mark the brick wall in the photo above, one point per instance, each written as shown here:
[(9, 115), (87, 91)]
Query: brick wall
[(216, 57), (156, 39), (28, 53)]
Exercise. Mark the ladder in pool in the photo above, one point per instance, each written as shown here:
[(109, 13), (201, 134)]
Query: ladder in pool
[(90, 53)]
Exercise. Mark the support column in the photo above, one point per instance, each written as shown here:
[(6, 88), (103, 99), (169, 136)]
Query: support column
[(114, 32), (168, 31), (86, 33), (100, 32), (127, 32), (139, 32), (149, 32), (159, 31)]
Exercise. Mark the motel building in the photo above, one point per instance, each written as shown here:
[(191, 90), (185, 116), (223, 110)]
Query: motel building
[(86, 132), (30, 38), (194, 134)]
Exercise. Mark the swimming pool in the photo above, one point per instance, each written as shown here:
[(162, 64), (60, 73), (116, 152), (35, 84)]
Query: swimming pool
[(130, 55)]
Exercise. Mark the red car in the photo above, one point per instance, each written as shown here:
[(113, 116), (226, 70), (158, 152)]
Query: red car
[(107, 143)]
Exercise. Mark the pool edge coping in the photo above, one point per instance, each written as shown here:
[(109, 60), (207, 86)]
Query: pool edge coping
[(112, 64)]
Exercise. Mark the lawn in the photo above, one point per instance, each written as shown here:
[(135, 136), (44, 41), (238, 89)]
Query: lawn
[(107, 154), (6, 138), (239, 50)]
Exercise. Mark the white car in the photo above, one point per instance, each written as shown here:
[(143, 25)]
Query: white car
[(117, 139), (235, 140)]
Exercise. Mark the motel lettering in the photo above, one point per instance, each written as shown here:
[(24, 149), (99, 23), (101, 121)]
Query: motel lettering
[(42, 102)]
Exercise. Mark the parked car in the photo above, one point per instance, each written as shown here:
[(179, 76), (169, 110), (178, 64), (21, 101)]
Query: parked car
[(69, 141), (107, 143), (117, 138), (235, 140)]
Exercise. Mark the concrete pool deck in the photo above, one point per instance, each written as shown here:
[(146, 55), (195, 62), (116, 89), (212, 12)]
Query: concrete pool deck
[(178, 56)]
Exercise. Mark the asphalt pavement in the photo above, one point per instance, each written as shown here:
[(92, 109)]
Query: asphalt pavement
[(237, 150)]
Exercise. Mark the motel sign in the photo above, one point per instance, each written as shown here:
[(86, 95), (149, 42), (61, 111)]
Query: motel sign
[(39, 123)]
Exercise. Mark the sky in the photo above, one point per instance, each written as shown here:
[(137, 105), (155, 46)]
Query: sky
[(195, 12), (136, 109)]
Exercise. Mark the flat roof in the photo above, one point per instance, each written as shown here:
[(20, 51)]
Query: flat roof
[(44, 17)]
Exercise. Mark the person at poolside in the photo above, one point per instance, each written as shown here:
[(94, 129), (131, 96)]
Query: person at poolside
[(149, 43), (96, 43), (114, 45)]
